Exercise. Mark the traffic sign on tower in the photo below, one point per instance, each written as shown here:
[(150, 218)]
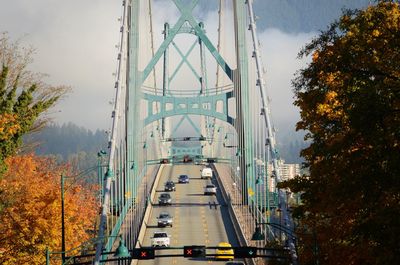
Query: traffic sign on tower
[(194, 251), (245, 252), (143, 253)]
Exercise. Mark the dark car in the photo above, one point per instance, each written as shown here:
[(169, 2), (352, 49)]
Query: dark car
[(187, 159), (164, 199), (164, 219), (169, 186), (183, 179)]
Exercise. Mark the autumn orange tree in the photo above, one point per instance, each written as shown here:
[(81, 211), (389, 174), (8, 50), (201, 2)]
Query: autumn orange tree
[(30, 219), (30, 200), (349, 96)]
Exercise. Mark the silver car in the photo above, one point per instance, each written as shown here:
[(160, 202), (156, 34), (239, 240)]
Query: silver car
[(210, 189), (164, 219)]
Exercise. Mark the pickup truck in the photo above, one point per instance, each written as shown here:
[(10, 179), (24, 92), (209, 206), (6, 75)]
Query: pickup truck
[(160, 239)]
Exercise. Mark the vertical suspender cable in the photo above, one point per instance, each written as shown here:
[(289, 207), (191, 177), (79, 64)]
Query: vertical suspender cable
[(165, 77), (218, 78), (109, 173), (154, 72)]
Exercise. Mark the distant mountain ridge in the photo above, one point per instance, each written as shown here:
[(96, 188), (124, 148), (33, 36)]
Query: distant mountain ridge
[(295, 16), (69, 142)]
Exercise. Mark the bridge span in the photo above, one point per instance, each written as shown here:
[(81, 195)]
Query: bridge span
[(162, 112)]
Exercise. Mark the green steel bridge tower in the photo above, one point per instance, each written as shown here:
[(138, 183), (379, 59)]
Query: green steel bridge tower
[(191, 92)]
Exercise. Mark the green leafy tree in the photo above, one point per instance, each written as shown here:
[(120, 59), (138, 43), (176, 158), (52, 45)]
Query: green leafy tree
[(24, 97), (349, 96)]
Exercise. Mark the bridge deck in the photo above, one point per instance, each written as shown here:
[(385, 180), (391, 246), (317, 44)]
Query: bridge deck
[(198, 219)]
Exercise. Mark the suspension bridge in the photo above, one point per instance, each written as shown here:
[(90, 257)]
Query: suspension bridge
[(189, 96)]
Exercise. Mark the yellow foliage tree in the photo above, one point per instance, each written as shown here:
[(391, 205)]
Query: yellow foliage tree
[(30, 218), (8, 126)]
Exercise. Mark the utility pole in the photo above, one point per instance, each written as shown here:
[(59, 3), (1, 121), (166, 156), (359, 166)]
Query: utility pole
[(62, 222)]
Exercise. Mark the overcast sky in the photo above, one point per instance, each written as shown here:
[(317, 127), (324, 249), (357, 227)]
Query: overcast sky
[(75, 44)]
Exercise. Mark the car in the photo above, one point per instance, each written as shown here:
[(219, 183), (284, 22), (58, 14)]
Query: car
[(164, 219), (164, 161), (160, 239), (187, 159), (224, 251), (183, 179), (206, 173), (210, 189), (169, 186), (164, 199)]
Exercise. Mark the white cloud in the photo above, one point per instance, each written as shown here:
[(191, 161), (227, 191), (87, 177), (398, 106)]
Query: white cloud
[(76, 40), (280, 60), (75, 43)]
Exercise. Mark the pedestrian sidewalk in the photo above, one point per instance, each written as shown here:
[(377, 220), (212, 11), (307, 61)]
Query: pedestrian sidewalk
[(242, 212)]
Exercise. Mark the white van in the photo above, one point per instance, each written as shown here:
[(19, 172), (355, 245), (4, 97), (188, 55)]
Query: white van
[(206, 173)]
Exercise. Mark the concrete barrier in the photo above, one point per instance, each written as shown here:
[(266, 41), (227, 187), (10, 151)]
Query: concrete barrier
[(232, 214)]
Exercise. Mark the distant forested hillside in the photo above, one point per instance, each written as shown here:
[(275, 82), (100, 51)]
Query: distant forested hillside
[(301, 15), (289, 147), (69, 142), (79, 146), (295, 15)]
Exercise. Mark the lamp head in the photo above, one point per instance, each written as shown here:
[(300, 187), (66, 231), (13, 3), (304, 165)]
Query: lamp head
[(122, 251), (258, 235), (101, 153)]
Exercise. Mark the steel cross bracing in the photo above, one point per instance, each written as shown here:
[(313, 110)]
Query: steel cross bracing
[(204, 105), (139, 134)]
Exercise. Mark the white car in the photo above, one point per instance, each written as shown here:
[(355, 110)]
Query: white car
[(160, 239), (210, 189)]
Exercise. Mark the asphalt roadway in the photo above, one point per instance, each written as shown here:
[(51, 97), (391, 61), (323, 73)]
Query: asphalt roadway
[(197, 219)]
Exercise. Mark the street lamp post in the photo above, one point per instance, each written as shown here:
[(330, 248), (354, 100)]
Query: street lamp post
[(100, 173), (62, 221), (121, 252), (63, 206), (280, 222), (258, 235)]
